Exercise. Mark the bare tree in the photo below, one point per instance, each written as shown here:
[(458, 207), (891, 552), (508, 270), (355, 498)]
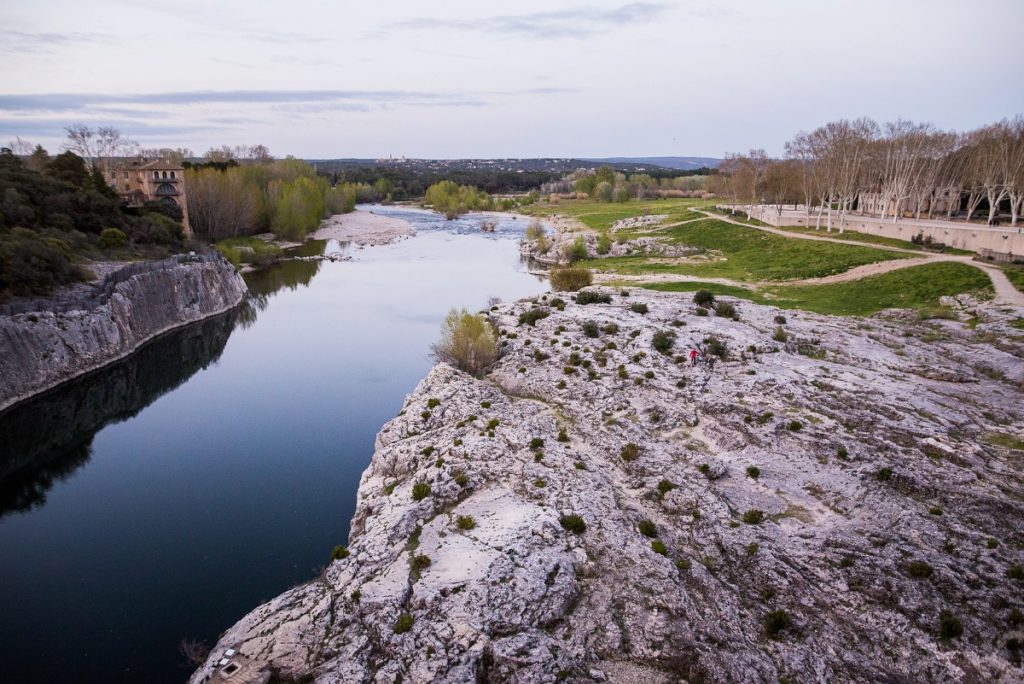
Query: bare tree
[(21, 147), (104, 149)]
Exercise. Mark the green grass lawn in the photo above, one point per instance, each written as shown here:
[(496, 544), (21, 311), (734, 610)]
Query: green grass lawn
[(1016, 276), (908, 288), (750, 255), (601, 215)]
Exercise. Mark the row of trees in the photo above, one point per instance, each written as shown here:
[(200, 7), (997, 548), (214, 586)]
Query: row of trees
[(895, 169), (285, 196), (452, 199), (604, 184)]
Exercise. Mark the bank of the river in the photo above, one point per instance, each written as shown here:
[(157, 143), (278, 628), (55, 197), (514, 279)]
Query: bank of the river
[(364, 227), (826, 502), (47, 343), (161, 497)]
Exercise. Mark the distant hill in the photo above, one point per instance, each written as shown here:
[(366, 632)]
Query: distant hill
[(682, 163)]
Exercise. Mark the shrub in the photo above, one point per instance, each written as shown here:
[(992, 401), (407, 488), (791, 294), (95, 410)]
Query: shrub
[(794, 426), (467, 342), (638, 307), (590, 329), (535, 230), (465, 522), (112, 238), (610, 329), (420, 491), (570, 279), (726, 310), (716, 347), (1015, 572), (573, 523), (592, 297), (935, 510), (841, 452), (33, 265), (648, 529), (703, 298), (460, 478), (433, 403), (883, 474), (563, 436), (664, 487), (780, 334), (663, 341), (950, 626), (531, 316), (493, 423), (701, 311), (421, 562), (576, 250), (780, 319), (753, 517), (339, 553), (753, 472), (629, 452), (775, 622), (659, 547), (604, 243), (919, 570), (536, 443), (403, 624)]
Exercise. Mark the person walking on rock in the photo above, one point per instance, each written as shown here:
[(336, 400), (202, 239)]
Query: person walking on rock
[(693, 357)]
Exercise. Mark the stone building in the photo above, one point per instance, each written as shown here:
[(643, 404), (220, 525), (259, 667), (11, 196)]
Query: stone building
[(936, 202), (141, 180)]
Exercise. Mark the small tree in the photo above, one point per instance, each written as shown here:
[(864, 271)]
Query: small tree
[(467, 342), (570, 279)]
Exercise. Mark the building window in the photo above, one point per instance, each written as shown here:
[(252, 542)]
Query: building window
[(156, 175), (172, 174)]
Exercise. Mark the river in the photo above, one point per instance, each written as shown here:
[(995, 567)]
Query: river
[(165, 496)]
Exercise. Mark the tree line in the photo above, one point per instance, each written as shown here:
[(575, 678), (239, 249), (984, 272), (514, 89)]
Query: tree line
[(900, 168), (605, 184)]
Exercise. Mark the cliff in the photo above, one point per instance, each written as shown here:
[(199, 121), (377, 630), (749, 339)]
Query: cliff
[(834, 500), (56, 341)]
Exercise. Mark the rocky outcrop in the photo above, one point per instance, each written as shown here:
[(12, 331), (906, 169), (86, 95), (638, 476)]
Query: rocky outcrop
[(554, 250), (42, 348), (816, 506)]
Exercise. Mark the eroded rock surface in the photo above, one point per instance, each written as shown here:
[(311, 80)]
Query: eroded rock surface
[(878, 539), (41, 349)]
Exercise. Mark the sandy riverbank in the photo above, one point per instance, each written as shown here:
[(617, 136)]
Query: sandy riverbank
[(363, 228)]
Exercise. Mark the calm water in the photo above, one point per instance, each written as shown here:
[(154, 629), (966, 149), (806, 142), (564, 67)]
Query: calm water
[(165, 497)]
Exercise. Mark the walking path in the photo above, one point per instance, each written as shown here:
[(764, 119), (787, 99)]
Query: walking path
[(1005, 292)]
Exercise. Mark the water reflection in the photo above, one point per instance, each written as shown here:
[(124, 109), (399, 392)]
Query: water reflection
[(49, 437)]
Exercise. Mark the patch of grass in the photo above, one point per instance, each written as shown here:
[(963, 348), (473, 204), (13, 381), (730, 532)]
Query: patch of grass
[(659, 547), (867, 238), (531, 316), (1016, 276), (638, 307), (629, 452), (339, 553), (950, 626), (906, 288), (753, 472), (776, 622), (420, 491), (753, 517), (573, 523), (403, 624), (919, 569), (1004, 440), (647, 528), (570, 279), (465, 522), (663, 341), (593, 297)]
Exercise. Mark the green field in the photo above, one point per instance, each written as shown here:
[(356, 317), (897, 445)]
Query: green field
[(601, 215), (869, 239), (1016, 276), (908, 288), (749, 255)]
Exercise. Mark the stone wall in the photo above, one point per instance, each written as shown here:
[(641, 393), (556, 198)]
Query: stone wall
[(52, 343)]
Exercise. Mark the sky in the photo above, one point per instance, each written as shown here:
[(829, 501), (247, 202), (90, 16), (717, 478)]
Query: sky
[(457, 79)]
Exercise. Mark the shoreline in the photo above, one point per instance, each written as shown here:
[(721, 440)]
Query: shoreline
[(363, 228)]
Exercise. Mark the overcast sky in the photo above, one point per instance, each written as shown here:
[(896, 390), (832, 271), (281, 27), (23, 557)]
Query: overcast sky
[(501, 79)]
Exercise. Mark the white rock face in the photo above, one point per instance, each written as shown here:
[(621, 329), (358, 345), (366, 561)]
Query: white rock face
[(39, 350), (879, 443)]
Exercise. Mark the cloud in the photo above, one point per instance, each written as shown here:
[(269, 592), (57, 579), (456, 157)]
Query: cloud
[(44, 43), (573, 23), (54, 129), (72, 102)]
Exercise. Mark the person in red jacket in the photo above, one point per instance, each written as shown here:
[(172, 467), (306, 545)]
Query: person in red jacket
[(693, 357)]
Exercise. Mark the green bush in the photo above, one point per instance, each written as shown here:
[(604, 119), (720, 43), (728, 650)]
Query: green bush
[(664, 487), (753, 472), (112, 238), (663, 341), (420, 491), (563, 436), (638, 307), (34, 265), (573, 523), (629, 452), (570, 279), (591, 329), (659, 547), (919, 569), (776, 622), (703, 298), (753, 517), (421, 562), (794, 426), (465, 522), (883, 474), (592, 297), (950, 626), (780, 319), (647, 528), (403, 624), (536, 443), (726, 310), (1015, 572), (717, 347), (467, 342), (531, 316), (780, 334), (339, 553), (576, 251), (604, 243)]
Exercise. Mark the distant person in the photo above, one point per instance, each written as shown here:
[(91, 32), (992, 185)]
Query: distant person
[(693, 357)]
